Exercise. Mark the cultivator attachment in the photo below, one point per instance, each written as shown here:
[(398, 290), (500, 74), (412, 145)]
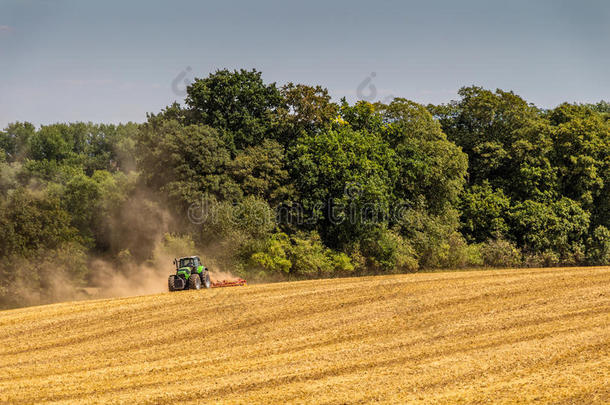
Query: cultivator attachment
[(226, 283)]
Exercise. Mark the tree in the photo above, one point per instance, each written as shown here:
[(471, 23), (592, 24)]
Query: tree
[(507, 140), (29, 222), (598, 249), (362, 116), (238, 104), (187, 163), (559, 227), (15, 141), (345, 179), (429, 165), (300, 255), (261, 171), (387, 251), (305, 110), (483, 213), (581, 153), (52, 142)]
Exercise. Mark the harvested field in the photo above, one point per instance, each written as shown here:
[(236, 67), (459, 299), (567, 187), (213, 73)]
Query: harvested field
[(502, 336)]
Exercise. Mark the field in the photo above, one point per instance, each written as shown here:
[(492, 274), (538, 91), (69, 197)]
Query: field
[(499, 336)]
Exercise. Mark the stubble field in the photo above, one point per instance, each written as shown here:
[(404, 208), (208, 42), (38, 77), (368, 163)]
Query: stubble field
[(501, 336)]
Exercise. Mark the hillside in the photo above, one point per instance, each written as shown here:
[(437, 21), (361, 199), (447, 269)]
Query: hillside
[(485, 336)]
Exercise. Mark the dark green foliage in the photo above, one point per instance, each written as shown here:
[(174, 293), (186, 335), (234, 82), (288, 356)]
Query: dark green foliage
[(262, 171), (560, 227), (185, 163), (29, 222), (598, 251), (343, 171), (430, 167), (582, 155), (507, 141), (238, 104), (484, 211)]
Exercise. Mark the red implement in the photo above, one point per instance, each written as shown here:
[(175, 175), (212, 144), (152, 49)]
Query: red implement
[(226, 283)]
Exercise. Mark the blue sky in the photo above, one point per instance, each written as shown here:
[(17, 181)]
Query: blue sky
[(113, 61)]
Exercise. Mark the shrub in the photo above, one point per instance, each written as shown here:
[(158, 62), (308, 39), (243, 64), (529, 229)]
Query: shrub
[(434, 238), (387, 251), (547, 258), (275, 257), (598, 252), (461, 254), (500, 253), (301, 255)]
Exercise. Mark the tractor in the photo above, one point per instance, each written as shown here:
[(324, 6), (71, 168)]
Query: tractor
[(190, 274)]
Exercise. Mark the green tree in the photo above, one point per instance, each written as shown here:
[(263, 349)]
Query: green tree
[(238, 104), (305, 110), (507, 140), (300, 255), (185, 163), (361, 116), (344, 177), (598, 249), (52, 142), (15, 141), (29, 222), (261, 171), (387, 251), (434, 237), (429, 165), (483, 213), (560, 227), (581, 154)]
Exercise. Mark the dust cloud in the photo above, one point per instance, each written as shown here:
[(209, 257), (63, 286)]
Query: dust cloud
[(139, 234)]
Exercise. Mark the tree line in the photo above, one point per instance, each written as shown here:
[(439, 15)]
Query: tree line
[(286, 183)]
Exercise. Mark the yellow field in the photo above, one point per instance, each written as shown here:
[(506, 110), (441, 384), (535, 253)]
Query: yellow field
[(499, 336)]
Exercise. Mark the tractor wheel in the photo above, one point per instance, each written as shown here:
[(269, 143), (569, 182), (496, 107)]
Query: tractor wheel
[(171, 283), (194, 282), (206, 280)]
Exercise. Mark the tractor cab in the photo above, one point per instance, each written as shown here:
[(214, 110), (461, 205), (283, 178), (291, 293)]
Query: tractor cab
[(190, 274), (187, 262)]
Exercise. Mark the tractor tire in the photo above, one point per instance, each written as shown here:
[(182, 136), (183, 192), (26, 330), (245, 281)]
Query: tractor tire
[(206, 280), (171, 283), (194, 282)]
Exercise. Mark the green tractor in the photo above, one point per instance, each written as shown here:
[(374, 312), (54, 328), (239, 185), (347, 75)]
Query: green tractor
[(190, 274)]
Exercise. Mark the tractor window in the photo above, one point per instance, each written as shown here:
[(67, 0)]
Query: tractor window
[(197, 262), (187, 262)]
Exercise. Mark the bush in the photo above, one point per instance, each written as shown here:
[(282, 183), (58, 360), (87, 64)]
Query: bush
[(301, 255), (387, 251), (274, 259), (483, 210), (598, 252), (547, 258), (559, 226), (434, 238), (461, 254), (500, 253)]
